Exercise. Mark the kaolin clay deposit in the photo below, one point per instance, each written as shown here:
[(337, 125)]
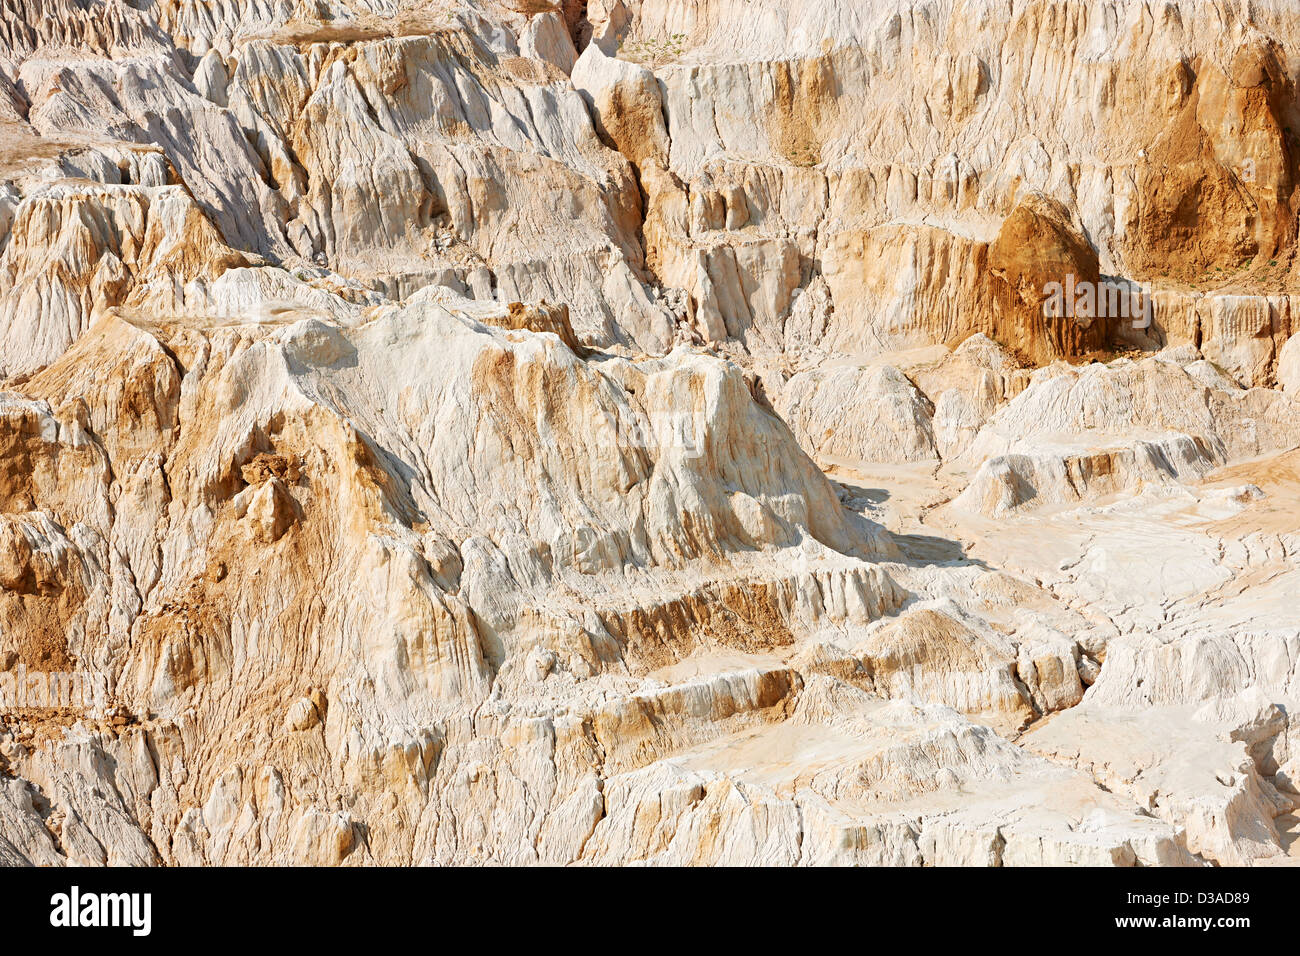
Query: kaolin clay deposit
[(631, 432)]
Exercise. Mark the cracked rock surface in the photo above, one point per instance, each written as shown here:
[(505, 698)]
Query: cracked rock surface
[(634, 432)]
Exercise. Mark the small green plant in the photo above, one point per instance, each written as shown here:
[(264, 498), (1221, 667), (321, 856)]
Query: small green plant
[(654, 51)]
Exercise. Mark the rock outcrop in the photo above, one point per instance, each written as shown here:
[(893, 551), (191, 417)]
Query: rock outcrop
[(649, 431)]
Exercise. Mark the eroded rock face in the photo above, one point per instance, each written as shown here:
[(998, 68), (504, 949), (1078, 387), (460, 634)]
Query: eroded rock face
[(636, 432)]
